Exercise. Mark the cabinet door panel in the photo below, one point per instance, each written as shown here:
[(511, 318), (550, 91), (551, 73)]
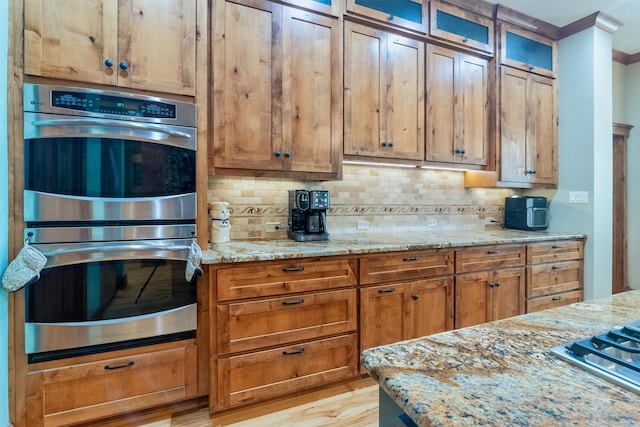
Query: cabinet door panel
[(472, 299), (441, 72), (60, 45), (405, 98), (474, 118), (542, 130), (365, 49), (167, 29), (507, 296), (431, 306), (246, 63), (383, 314), (513, 125), (312, 91)]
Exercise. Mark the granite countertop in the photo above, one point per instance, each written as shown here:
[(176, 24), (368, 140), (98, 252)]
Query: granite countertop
[(502, 374), (353, 244)]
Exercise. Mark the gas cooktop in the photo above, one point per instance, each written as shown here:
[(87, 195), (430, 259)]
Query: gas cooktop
[(613, 355)]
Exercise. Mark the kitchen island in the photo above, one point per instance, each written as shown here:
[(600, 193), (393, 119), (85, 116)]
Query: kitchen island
[(502, 373)]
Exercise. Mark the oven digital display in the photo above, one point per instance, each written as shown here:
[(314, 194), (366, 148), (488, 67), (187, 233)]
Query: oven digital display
[(118, 105)]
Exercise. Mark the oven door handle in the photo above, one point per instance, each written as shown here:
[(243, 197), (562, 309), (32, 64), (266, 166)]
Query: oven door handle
[(79, 253), (113, 123)]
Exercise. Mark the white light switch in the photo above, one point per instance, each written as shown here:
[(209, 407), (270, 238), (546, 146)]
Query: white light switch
[(578, 197)]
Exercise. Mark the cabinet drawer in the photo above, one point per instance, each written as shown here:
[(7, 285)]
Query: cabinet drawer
[(256, 376), (251, 325), (405, 266), (479, 258), (552, 301), (283, 278), (560, 250), (546, 279), (81, 392)]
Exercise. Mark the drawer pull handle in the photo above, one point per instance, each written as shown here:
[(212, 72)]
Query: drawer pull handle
[(386, 291), (126, 365), (556, 298), (556, 267), (291, 269), (413, 258), (300, 301), (497, 251), (556, 247), (290, 353)]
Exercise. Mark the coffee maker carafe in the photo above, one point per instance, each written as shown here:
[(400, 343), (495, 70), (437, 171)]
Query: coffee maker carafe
[(308, 215)]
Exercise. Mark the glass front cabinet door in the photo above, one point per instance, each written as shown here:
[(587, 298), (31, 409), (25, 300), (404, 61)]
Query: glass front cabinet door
[(469, 29), (409, 14)]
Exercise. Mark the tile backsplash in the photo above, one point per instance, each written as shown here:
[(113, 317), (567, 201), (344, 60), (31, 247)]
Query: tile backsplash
[(387, 198)]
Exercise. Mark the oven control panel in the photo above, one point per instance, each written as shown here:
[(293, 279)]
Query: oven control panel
[(106, 104)]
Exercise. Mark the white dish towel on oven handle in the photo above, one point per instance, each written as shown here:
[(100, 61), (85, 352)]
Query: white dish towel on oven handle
[(24, 269), (193, 262)]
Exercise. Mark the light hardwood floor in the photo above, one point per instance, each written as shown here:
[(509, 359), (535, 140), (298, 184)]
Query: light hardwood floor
[(353, 404)]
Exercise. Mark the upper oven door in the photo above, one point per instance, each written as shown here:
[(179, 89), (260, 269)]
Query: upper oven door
[(95, 169)]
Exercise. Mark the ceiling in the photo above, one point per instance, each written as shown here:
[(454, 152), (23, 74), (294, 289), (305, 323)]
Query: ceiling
[(563, 12)]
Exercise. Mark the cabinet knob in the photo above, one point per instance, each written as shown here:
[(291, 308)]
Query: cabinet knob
[(287, 154), (391, 144), (497, 284), (531, 67), (464, 40), (383, 143), (391, 17), (492, 284), (415, 296), (277, 154), (123, 65), (108, 62), (531, 172)]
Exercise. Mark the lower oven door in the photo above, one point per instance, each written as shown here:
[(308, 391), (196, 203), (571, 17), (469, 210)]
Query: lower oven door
[(102, 296)]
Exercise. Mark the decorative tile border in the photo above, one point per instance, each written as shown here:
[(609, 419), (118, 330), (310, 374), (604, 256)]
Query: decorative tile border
[(257, 211)]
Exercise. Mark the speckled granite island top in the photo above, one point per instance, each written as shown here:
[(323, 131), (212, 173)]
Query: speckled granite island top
[(352, 244), (502, 374)]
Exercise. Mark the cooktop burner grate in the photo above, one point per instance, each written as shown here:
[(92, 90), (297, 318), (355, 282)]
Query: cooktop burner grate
[(613, 355)]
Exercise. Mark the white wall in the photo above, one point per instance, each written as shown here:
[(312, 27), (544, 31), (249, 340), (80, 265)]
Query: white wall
[(585, 151), (4, 221), (632, 117)]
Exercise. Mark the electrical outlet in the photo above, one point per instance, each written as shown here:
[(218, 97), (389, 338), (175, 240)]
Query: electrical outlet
[(362, 225), (432, 222), (272, 227)]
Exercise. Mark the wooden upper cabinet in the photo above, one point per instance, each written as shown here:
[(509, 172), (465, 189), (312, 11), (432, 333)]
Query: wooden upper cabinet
[(457, 107), (277, 89), (383, 94), (463, 27), (528, 128), (407, 14), (527, 50), (141, 44)]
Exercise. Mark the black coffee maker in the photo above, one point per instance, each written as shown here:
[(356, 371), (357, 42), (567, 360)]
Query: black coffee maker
[(308, 215)]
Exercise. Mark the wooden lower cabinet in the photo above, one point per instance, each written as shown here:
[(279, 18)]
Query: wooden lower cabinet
[(281, 327), (260, 375), (401, 311), (249, 325), (555, 274), (82, 392), (489, 295)]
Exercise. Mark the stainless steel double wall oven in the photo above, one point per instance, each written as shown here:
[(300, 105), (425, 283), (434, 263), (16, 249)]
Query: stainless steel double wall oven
[(110, 199)]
